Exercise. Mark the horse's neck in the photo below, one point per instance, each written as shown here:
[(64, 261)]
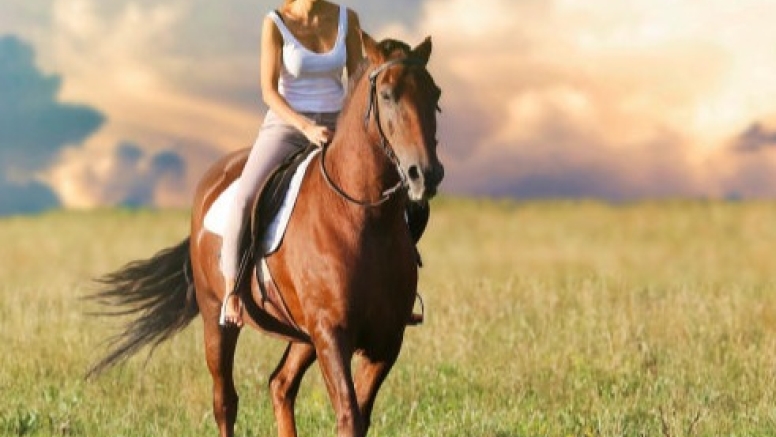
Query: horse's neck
[(356, 160)]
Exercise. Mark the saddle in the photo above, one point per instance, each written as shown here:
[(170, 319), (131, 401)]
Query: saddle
[(273, 192), (266, 206)]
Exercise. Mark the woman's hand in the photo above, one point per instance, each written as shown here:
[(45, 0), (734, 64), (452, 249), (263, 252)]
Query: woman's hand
[(317, 134)]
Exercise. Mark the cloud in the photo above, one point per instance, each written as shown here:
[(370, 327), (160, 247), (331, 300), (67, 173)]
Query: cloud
[(127, 175), (755, 138), (170, 74), (176, 83), (136, 176), (633, 100), (560, 160), (41, 142), (34, 126), (131, 60), (645, 98), (26, 197)]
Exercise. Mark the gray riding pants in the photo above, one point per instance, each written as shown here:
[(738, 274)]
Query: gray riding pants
[(276, 140)]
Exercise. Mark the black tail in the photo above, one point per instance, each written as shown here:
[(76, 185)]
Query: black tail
[(159, 291)]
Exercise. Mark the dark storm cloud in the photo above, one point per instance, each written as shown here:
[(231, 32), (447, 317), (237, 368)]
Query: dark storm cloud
[(604, 177), (561, 161), (755, 138), (26, 198), (168, 163), (138, 174), (34, 127)]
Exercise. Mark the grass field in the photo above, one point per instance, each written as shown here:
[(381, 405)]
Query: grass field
[(543, 319)]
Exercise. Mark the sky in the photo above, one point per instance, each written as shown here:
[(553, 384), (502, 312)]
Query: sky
[(129, 102)]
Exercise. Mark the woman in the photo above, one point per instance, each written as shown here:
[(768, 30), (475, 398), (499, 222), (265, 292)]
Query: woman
[(305, 46)]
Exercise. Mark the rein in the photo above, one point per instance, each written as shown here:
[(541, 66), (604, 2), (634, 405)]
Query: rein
[(385, 146)]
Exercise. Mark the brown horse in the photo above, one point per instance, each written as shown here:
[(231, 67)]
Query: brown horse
[(346, 270)]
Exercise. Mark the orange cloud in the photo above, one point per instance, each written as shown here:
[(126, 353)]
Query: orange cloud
[(629, 99), (642, 95), (125, 64)]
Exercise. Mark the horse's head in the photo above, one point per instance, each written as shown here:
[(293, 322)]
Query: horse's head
[(405, 101)]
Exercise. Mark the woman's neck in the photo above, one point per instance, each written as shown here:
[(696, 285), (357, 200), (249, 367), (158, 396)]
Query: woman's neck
[(305, 10)]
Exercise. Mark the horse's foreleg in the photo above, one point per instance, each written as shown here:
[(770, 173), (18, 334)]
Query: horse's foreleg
[(334, 355), (284, 385), (371, 372), (219, 351)]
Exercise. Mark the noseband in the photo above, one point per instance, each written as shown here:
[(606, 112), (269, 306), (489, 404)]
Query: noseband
[(385, 146)]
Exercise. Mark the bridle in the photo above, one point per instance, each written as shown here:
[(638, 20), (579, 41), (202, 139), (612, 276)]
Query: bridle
[(374, 107)]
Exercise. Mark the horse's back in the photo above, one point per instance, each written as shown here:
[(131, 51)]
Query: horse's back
[(215, 180)]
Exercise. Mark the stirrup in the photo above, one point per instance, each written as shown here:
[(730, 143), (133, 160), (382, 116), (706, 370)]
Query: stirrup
[(417, 318), (222, 315)]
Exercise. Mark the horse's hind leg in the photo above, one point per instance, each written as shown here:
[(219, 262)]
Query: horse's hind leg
[(284, 385), (220, 345)]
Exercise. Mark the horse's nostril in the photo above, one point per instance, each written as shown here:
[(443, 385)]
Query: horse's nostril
[(413, 172)]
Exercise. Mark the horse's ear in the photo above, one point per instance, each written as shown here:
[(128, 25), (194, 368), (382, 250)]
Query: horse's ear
[(423, 50), (370, 48)]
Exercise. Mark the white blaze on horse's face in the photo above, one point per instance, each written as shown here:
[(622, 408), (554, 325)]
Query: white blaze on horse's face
[(409, 101)]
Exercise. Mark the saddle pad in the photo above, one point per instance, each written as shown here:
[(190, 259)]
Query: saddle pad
[(218, 214)]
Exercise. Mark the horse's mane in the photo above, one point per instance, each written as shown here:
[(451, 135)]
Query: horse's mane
[(388, 48)]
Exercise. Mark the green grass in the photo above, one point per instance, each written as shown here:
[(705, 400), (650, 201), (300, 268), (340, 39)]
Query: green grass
[(543, 319)]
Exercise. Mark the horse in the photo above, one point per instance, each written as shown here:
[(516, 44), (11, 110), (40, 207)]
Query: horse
[(347, 268)]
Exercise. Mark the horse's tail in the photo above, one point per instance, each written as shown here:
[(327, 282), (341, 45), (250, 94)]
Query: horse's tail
[(159, 291)]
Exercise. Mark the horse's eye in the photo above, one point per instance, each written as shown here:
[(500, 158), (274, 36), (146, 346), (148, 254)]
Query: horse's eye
[(386, 94)]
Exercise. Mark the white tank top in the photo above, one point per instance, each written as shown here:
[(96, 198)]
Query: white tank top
[(309, 81)]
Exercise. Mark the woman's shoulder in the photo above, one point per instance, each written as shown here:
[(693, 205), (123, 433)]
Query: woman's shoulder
[(272, 29), (273, 16)]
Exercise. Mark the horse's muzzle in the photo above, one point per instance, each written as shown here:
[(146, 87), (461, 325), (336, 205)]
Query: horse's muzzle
[(423, 183)]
